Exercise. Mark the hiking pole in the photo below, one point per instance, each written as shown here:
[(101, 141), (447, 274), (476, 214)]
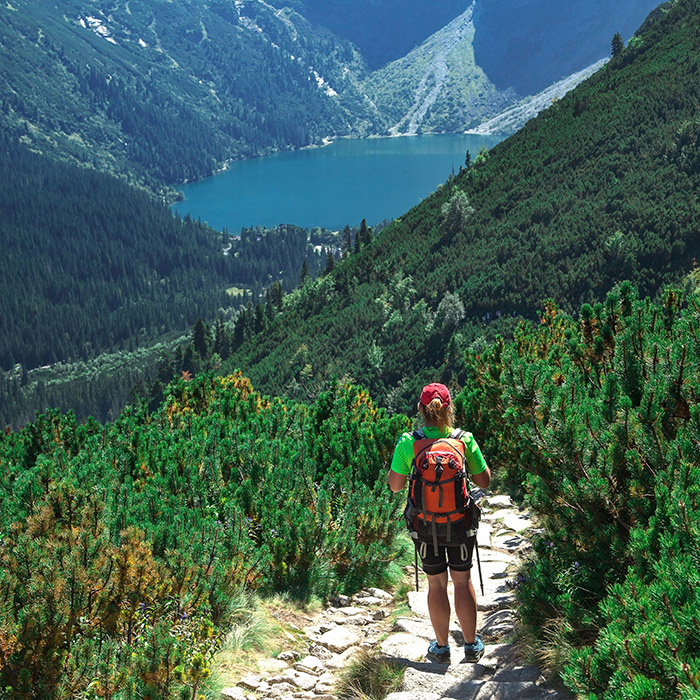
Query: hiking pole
[(478, 564), (415, 552)]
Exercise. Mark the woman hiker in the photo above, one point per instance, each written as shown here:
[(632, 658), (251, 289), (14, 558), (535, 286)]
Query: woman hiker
[(443, 545)]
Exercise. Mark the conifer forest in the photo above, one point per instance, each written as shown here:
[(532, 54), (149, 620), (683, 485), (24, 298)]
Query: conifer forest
[(193, 415)]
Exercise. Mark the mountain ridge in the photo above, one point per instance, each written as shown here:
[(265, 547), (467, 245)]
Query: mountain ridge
[(168, 92), (438, 85)]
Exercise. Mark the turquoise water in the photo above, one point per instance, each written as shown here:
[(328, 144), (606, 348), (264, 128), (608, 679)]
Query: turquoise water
[(330, 187)]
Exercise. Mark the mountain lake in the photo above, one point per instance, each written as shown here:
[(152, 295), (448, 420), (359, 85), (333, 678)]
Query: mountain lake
[(342, 183)]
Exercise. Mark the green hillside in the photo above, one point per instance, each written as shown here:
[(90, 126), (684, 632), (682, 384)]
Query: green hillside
[(599, 188), (597, 422), (98, 280), (90, 264), (164, 92)]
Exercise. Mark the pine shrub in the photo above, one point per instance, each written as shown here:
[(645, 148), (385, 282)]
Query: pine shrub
[(596, 419)]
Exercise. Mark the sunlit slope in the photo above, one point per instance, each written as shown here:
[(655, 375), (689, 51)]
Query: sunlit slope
[(600, 187), (438, 86)]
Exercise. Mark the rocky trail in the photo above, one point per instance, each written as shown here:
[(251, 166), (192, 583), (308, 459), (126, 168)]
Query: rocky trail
[(365, 621)]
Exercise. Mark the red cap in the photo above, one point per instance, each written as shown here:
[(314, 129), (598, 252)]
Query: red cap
[(435, 391)]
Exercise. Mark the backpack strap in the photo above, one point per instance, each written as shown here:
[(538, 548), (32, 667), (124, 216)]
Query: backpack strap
[(456, 434), (418, 434)]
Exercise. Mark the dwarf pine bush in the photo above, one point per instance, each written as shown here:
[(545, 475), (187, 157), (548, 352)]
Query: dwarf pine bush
[(598, 421), (123, 547)]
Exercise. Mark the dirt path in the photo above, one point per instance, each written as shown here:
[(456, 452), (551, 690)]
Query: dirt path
[(500, 673)]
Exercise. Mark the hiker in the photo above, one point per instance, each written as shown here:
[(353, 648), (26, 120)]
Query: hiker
[(442, 540)]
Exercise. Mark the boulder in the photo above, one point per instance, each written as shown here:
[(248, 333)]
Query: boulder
[(419, 627), (404, 646), (349, 611), (339, 639), (340, 601), (357, 620), (370, 601), (310, 664), (320, 652), (281, 690), (379, 593), (305, 681), (340, 660), (250, 682), (498, 624)]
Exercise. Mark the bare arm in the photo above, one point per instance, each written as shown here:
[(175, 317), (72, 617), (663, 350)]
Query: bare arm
[(483, 479), (396, 481)]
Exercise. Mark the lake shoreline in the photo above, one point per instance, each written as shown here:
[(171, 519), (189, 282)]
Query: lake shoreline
[(328, 141), (336, 183)]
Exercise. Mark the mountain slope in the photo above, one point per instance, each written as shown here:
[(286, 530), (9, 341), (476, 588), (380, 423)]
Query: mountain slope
[(438, 86), (168, 91), (91, 264), (383, 30), (598, 188), (484, 62), (164, 92), (517, 115), (526, 46)]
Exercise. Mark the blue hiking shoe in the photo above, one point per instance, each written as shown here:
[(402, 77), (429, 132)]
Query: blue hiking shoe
[(473, 652), (438, 653)]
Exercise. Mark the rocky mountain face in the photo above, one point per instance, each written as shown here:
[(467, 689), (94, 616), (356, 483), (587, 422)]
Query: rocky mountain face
[(383, 30), (527, 45), (494, 54), (438, 86)]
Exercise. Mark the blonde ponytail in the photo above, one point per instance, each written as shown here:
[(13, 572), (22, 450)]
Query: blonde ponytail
[(437, 413)]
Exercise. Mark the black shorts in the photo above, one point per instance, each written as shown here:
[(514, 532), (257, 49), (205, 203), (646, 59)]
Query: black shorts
[(457, 556)]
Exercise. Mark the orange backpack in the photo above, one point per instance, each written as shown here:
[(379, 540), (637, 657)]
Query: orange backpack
[(437, 493)]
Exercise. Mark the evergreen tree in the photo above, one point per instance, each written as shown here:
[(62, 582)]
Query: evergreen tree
[(221, 343), (259, 319), (365, 233), (347, 241), (276, 294), (617, 45), (200, 338)]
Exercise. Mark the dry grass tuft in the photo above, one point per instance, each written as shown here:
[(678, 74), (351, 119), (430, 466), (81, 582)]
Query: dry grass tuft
[(369, 676)]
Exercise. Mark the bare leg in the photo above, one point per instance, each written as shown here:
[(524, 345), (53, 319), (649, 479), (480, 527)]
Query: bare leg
[(465, 604), (439, 607)]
